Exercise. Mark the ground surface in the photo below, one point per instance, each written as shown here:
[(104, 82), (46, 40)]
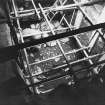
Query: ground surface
[(11, 93)]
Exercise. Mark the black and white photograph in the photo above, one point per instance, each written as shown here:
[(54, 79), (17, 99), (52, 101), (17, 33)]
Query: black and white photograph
[(52, 52)]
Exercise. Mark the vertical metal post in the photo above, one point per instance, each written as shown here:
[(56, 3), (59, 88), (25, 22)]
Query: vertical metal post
[(21, 36), (37, 12)]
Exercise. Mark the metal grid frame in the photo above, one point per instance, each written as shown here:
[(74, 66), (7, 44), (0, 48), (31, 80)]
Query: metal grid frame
[(58, 6)]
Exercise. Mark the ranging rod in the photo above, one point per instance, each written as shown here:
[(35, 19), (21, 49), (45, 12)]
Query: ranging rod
[(11, 50)]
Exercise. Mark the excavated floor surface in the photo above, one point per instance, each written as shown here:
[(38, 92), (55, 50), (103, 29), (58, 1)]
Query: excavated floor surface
[(92, 93)]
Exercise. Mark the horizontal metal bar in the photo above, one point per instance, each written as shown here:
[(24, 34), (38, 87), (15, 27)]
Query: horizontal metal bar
[(77, 61), (70, 52), (58, 8), (81, 60), (72, 6), (19, 46), (67, 73), (28, 11), (71, 63), (22, 15), (62, 35), (45, 32)]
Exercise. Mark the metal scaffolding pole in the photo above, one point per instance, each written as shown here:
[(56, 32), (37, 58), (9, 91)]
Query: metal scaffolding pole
[(25, 52)]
